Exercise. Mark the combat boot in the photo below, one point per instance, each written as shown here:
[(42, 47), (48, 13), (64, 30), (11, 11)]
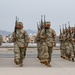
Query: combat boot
[(61, 56), (21, 64), (69, 58), (72, 59), (49, 65), (17, 61), (66, 58), (45, 61), (42, 61)]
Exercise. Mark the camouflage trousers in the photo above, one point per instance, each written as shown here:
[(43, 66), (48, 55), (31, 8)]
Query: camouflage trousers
[(44, 55), (50, 53), (38, 50), (63, 51), (62, 48), (70, 50), (74, 49), (19, 54)]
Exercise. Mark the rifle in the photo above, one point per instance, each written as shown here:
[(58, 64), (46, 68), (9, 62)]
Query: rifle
[(38, 26), (60, 30), (66, 30), (69, 29), (16, 25), (74, 32), (63, 29), (15, 30), (60, 34), (44, 24), (41, 23)]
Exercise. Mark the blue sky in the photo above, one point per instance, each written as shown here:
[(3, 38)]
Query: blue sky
[(58, 12)]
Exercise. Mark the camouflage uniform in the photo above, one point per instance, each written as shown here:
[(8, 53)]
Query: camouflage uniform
[(44, 55), (47, 45), (73, 46), (22, 40), (69, 47), (63, 47), (73, 41), (38, 45), (39, 42)]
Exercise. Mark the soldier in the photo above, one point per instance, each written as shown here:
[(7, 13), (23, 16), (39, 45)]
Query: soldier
[(39, 41), (64, 44), (73, 41), (69, 48), (48, 43), (20, 44), (72, 44), (1, 40)]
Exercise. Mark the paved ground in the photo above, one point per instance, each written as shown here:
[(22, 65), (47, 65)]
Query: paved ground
[(32, 66)]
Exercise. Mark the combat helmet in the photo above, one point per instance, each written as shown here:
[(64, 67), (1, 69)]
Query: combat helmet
[(48, 23), (20, 23)]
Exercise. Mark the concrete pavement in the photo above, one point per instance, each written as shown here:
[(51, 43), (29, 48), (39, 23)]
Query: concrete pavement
[(32, 66)]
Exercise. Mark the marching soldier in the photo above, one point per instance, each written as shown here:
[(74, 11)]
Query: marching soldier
[(48, 43), (72, 44), (39, 41), (65, 43), (69, 47), (73, 39), (21, 40)]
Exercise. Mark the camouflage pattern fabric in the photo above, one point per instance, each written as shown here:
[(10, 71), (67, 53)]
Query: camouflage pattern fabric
[(22, 40), (50, 39)]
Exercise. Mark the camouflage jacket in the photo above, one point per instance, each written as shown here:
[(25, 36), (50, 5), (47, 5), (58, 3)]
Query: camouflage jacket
[(22, 38), (50, 36), (72, 38)]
